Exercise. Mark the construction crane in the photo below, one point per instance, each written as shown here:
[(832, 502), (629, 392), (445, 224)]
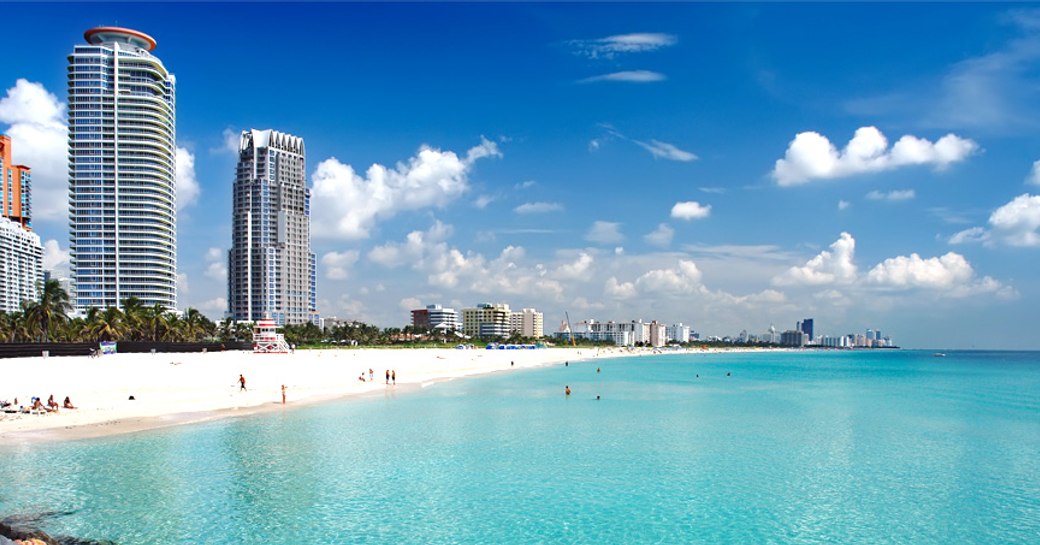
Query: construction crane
[(570, 331)]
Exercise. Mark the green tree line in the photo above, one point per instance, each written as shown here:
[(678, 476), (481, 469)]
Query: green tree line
[(46, 320)]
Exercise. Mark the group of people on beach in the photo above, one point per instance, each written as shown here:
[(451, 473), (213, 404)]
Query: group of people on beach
[(391, 376), (36, 405)]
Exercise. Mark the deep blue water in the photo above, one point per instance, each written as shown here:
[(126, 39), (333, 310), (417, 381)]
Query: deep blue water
[(856, 447)]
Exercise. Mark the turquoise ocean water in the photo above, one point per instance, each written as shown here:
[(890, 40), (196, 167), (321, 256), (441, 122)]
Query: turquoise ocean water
[(858, 447)]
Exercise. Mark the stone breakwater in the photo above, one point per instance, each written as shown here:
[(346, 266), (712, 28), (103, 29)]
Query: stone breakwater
[(21, 530)]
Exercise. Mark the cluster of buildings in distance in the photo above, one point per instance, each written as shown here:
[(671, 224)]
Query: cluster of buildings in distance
[(803, 335), (485, 320)]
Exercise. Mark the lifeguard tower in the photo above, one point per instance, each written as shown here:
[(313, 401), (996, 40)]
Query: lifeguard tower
[(267, 339)]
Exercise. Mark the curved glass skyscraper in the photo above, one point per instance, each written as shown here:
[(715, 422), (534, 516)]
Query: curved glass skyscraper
[(122, 171)]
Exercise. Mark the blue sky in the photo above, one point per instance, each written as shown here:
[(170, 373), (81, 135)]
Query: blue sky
[(727, 166)]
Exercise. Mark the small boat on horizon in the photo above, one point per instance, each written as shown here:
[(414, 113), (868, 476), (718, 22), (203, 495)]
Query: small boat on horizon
[(939, 355)]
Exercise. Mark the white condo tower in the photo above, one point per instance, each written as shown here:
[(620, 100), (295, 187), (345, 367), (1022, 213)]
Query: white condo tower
[(122, 171)]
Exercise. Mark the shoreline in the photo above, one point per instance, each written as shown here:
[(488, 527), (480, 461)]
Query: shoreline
[(176, 389)]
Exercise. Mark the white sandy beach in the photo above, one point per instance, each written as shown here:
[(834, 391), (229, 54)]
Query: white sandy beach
[(172, 389)]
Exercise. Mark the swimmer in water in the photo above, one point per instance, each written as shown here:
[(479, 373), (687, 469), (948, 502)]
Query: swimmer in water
[(567, 390)]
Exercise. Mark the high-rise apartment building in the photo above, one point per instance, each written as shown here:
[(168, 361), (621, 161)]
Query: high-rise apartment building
[(21, 255), (15, 187), (122, 171), (271, 270)]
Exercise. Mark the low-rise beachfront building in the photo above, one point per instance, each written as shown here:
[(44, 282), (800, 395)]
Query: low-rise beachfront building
[(486, 320), (835, 342), (793, 337), (436, 318), (633, 333), (678, 333), (21, 265), (527, 322)]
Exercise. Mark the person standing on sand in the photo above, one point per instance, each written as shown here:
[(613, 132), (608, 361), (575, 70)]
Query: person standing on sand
[(241, 383), (393, 376), (388, 376), (371, 375), (283, 394)]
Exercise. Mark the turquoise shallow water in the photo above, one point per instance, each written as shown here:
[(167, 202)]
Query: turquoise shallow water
[(861, 447)]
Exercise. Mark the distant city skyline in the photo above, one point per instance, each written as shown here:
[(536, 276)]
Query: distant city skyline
[(721, 165)]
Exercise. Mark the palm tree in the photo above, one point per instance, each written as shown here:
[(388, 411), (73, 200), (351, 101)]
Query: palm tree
[(109, 325), (9, 326), (51, 309), (134, 318), (156, 325)]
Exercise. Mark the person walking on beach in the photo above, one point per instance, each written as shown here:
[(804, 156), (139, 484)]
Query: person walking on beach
[(388, 376), (393, 376), (241, 383), (371, 375), (283, 394)]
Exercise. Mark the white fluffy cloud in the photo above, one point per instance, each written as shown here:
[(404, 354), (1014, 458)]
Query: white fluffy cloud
[(54, 256), (913, 271), (683, 279), (950, 275), (347, 206), (39, 138), (337, 264), (1016, 223), (690, 210), (627, 76), (538, 208), (662, 236), (895, 195), (828, 267), (187, 185), (416, 246), (605, 232), (449, 268), (843, 204), (811, 156), (609, 47), (577, 269)]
